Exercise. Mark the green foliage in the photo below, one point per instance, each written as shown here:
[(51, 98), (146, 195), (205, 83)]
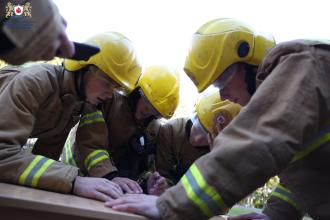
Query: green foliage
[(259, 197)]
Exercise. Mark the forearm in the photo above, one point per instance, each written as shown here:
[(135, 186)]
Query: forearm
[(18, 166)]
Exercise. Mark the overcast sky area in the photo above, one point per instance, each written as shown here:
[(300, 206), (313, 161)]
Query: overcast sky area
[(162, 30)]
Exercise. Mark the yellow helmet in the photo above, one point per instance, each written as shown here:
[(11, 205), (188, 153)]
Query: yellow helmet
[(220, 43), (117, 58), (161, 85), (208, 109)]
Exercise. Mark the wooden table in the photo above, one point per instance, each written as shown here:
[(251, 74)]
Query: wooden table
[(23, 203)]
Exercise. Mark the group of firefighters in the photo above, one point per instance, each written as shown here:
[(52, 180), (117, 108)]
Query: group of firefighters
[(99, 135)]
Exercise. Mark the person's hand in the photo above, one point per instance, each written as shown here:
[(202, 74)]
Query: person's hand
[(128, 185), (250, 216), (156, 184), (140, 204), (61, 46), (96, 188)]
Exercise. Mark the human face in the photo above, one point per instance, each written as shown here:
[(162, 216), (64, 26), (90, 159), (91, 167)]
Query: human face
[(198, 136), (98, 86), (144, 109), (232, 85)]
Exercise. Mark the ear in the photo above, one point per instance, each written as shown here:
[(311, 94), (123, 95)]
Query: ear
[(243, 49)]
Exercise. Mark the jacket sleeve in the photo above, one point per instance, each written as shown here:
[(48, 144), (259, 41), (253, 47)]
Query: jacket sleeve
[(165, 156), (282, 204), (287, 108), (92, 144), (29, 43), (20, 104)]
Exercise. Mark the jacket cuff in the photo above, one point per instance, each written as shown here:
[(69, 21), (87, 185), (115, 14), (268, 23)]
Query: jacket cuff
[(111, 175)]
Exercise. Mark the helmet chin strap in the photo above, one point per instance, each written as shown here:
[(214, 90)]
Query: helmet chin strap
[(250, 79)]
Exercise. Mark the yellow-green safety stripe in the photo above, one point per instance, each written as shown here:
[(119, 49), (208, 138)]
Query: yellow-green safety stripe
[(95, 157), (68, 152), (314, 143), (285, 194), (31, 175), (201, 193), (91, 118)]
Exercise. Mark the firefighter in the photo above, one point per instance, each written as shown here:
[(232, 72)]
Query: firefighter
[(183, 140), (283, 129), (128, 120), (42, 40), (45, 101)]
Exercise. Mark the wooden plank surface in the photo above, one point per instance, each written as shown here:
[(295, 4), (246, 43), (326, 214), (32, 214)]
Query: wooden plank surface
[(18, 202)]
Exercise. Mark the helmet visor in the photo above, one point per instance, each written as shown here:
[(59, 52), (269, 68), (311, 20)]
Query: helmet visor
[(226, 77), (154, 112), (196, 122)]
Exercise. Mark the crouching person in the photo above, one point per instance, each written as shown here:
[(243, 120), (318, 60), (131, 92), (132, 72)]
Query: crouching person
[(45, 101)]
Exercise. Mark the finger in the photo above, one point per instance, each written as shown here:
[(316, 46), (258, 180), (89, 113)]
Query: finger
[(159, 182), (115, 185), (132, 208), (114, 202), (162, 184), (50, 52), (111, 191), (122, 200), (135, 187), (126, 188), (66, 48), (156, 174), (101, 196)]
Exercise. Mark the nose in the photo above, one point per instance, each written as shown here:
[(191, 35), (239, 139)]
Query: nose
[(227, 95)]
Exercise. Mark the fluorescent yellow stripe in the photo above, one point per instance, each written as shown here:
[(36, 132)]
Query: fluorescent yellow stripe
[(194, 198), (38, 174), (96, 161), (282, 197), (283, 188), (91, 118), (82, 123), (311, 147), (286, 195), (89, 163), (209, 190), (26, 172), (92, 155), (93, 114)]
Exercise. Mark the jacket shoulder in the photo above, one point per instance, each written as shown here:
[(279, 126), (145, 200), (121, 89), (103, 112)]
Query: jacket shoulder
[(42, 77), (284, 50), (175, 126)]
